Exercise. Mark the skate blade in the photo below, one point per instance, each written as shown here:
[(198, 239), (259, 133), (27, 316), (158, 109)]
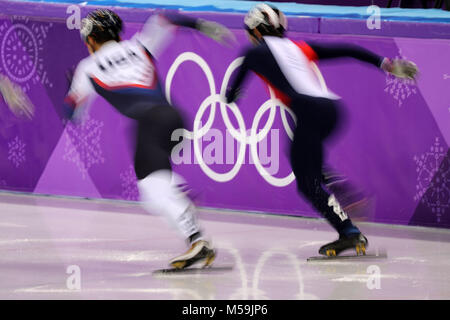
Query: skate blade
[(367, 256), (209, 260), (189, 263), (360, 249), (178, 265), (195, 270)]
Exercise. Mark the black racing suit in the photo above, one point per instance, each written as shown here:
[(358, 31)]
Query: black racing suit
[(317, 119)]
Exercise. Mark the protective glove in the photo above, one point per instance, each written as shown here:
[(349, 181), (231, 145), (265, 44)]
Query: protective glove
[(400, 68), (216, 31), (17, 101), (233, 96)]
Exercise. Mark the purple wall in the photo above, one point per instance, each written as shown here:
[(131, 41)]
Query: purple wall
[(394, 147)]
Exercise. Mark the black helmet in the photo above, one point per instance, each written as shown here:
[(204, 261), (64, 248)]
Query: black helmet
[(101, 24)]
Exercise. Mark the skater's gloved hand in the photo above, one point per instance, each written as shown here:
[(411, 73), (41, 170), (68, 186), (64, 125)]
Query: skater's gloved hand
[(69, 104), (232, 96), (68, 111), (400, 68), (71, 115), (216, 31), (69, 76), (17, 101), (72, 112)]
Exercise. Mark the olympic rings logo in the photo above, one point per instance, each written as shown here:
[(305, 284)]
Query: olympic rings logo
[(239, 134)]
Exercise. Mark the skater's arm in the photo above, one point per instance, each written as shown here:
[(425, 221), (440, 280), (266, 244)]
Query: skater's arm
[(80, 90), (155, 34), (352, 51), (256, 59), (160, 29), (180, 20), (211, 29), (398, 67), (233, 91)]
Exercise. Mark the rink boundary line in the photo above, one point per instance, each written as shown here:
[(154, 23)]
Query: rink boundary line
[(207, 213), (230, 212)]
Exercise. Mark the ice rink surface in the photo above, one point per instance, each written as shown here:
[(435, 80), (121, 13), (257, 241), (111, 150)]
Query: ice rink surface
[(112, 248)]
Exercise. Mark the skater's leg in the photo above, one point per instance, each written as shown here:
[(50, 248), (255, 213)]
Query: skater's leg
[(157, 182), (160, 195), (309, 184), (345, 192), (316, 120)]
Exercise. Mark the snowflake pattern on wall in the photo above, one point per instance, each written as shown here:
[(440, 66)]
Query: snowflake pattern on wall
[(21, 51), (433, 179), (129, 186), (400, 89), (16, 151), (83, 146)]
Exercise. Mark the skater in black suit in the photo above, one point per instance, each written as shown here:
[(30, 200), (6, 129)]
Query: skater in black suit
[(285, 65)]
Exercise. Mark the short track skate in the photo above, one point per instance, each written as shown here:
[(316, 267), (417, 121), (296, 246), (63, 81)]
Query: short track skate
[(358, 242), (198, 259)]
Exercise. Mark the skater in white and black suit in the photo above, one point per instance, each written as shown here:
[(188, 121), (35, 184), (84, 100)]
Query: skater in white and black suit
[(285, 65), (125, 74)]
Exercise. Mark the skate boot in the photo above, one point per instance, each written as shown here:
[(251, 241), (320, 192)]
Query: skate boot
[(200, 250), (357, 241)]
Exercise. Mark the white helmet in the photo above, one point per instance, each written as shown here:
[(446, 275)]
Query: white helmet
[(265, 18)]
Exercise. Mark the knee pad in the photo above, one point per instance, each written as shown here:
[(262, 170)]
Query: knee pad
[(159, 194)]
